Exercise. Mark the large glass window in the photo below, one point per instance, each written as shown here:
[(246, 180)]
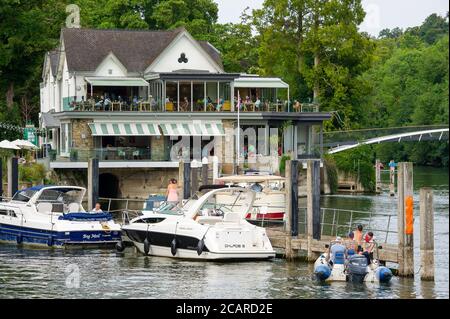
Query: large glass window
[(198, 89), (171, 99), (185, 97)]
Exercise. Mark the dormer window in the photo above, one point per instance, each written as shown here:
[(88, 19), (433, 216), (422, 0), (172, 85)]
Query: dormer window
[(182, 58)]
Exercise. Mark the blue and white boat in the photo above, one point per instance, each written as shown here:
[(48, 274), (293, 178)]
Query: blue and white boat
[(54, 216)]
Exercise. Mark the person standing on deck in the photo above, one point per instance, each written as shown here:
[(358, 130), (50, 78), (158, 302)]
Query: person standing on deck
[(358, 236), (172, 191)]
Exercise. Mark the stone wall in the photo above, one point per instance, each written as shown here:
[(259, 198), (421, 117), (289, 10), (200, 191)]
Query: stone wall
[(82, 138)]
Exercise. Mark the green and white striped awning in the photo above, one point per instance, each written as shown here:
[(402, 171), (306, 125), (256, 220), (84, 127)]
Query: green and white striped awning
[(124, 129), (192, 128)]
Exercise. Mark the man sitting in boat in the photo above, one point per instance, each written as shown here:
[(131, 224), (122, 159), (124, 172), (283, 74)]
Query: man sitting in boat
[(97, 208), (337, 249)]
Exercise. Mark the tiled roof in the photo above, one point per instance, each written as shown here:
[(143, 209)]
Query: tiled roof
[(86, 48)]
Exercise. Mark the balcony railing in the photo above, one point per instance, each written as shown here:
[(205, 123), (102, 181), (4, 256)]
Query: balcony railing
[(117, 154), (91, 106)]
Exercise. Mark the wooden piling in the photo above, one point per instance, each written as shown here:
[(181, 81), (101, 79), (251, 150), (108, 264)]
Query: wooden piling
[(13, 176), (205, 171), (405, 219), (392, 181), (426, 234), (313, 205), (185, 179), (194, 179), (93, 182), (288, 190), (377, 175)]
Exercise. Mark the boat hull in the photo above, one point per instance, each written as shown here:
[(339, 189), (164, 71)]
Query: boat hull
[(43, 237)]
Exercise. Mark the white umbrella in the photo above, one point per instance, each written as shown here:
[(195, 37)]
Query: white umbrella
[(24, 144), (5, 144)]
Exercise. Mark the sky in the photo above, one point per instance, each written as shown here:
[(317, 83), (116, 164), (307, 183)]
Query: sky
[(380, 14)]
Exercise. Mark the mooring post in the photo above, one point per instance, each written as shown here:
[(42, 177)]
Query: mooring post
[(377, 175), (205, 171), (426, 234), (93, 173), (186, 180), (405, 216), (313, 205), (13, 176), (288, 252), (194, 180), (392, 178)]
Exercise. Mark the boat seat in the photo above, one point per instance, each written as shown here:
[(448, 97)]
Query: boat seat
[(74, 207), (339, 259), (44, 208), (232, 217), (209, 220)]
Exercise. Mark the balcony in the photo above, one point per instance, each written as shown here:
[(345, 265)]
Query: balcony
[(225, 106)]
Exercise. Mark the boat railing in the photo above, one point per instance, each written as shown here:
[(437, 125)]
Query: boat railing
[(339, 222)]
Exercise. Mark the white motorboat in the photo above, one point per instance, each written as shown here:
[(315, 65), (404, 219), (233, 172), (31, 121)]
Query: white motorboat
[(54, 216), (205, 229), (270, 201)]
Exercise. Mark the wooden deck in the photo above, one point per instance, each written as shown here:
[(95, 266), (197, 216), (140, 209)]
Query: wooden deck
[(388, 252)]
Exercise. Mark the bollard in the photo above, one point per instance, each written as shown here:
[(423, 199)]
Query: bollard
[(93, 172), (426, 234), (405, 220), (313, 205), (13, 176)]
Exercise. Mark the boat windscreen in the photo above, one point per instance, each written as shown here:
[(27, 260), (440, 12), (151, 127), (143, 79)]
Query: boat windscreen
[(56, 195), (169, 208), (24, 195)]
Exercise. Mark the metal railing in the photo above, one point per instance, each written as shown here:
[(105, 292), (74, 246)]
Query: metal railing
[(339, 222)]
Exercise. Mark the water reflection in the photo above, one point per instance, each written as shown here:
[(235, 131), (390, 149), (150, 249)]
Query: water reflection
[(41, 273)]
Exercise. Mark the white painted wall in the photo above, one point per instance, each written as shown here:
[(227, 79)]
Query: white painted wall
[(197, 58), (111, 66)]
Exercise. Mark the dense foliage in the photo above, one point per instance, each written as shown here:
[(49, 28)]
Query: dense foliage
[(399, 78)]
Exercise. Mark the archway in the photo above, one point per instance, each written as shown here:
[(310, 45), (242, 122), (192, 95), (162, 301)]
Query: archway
[(108, 186)]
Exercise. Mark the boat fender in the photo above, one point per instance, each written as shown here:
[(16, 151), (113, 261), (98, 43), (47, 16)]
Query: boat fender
[(384, 274), (120, 247), (146, 246), (173, 247), (50, 241), (19, 239), (200, 246), (322, 272)]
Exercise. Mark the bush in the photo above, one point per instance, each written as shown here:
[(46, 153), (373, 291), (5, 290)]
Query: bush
[(32, 173), (283, 160), (332, 173)]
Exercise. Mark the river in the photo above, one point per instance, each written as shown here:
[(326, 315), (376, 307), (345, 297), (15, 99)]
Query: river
[(44, 273)]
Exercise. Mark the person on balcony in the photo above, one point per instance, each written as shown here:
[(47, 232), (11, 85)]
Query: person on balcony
[(297, 106), (220, 105), (257, 103), (99, 103), (107, 103)]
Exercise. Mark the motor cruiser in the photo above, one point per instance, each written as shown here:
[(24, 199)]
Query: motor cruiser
[(206, 229), (54, 216), (270, 201)]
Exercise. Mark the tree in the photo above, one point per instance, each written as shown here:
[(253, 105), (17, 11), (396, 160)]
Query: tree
[(316, 47)]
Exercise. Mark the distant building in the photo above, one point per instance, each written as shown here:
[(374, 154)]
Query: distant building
[(126, 97)]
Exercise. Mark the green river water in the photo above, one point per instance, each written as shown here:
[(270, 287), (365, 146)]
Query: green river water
[(47, 273)]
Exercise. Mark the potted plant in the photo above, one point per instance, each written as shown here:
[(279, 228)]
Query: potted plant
[(73, 155)]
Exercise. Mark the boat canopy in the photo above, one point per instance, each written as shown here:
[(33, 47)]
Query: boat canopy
[(250, 178)]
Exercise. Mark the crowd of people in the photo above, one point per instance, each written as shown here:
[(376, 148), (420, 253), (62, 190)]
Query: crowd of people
[(356, 243)]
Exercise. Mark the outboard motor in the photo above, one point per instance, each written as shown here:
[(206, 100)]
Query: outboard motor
[(357, 268)]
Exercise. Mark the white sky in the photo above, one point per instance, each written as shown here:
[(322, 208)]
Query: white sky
[(380, 14)]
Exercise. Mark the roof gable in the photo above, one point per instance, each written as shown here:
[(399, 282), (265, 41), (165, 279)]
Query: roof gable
[(85, 49), (111, 66)]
